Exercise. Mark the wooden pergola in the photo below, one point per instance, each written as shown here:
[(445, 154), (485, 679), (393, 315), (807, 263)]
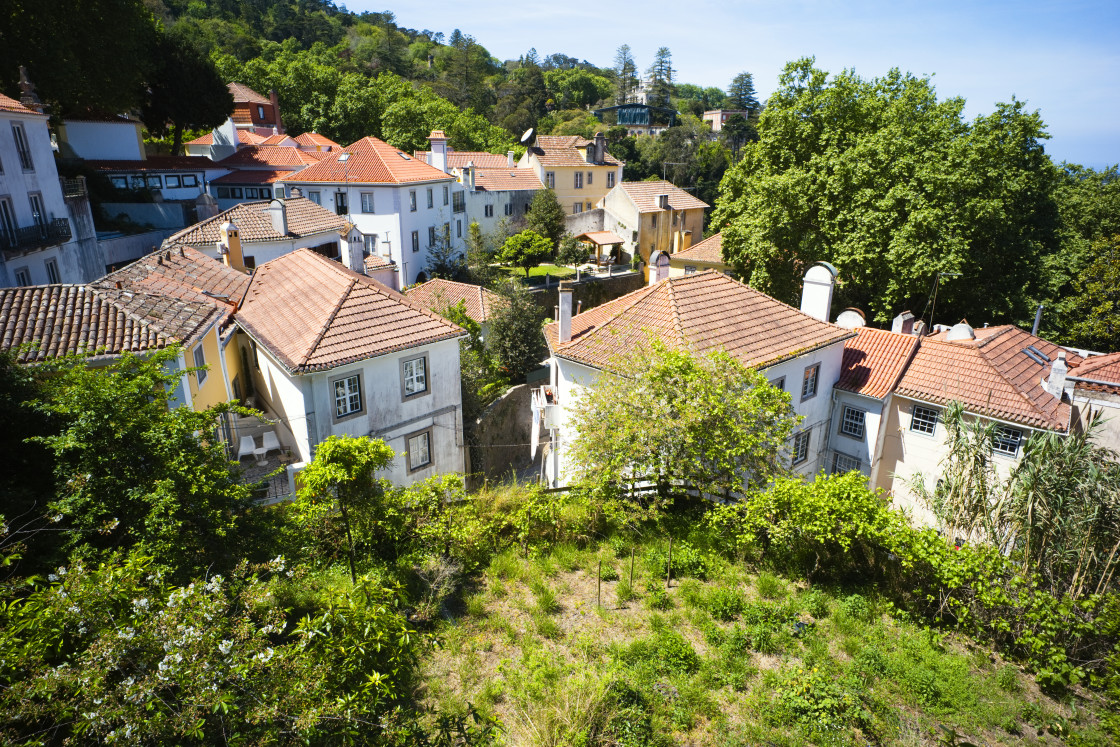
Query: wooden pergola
[(600, 239)]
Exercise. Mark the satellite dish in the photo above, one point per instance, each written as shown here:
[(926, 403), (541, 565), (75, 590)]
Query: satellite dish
[(527, 138)]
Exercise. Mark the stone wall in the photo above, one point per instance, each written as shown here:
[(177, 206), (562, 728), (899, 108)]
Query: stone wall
[(590, 291), (501, 438)]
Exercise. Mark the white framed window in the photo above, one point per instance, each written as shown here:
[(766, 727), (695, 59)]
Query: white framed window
[(414, 376), (419, 450), (445, 194), (550, 179), (52, 272), (251, 193), (431, 235), (924, 420), (589, 175), (579, 180), (800, 451), (23, 276), (842, 463), (341, 206), (190, 180), (459, 202), (200, 364), (347, 396), (509, 208), (458, 229), (488, 211), (173, 181), (7, 221), (367, 202), (1006, 440), (610, 179), (431, 199), (260, 113), (412, 200), (315, 197), (155, 182), (21, 146), (369, 243), (577, 208), (809, 382), (853, 422), (778, 383), (37, 213), (415, 241)]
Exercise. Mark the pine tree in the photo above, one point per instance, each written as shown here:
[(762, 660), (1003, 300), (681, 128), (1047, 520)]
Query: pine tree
[(627, 75), (741, 94), (660, 75)]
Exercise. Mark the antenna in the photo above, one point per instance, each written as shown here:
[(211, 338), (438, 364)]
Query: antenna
[(936, 284)]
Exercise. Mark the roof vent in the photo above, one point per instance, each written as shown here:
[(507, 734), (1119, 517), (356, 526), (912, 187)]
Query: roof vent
[(1036, 355), (960, 331), (851, 318)]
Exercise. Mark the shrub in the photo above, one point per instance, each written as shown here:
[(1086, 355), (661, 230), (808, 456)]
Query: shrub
[(856, 607), (687, 561), (725, 604), (624, 592), (666, 651), (769, 587), (657, 596), (817, 604)]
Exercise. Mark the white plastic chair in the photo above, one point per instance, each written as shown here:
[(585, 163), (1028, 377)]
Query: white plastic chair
[(246, 448), (271, 443)]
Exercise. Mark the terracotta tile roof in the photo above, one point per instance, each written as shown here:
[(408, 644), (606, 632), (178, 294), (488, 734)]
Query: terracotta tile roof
[(271, 155), (253, 220), (602, 238), (701, 312), (709, 251), (376, 262), (438, 294), (372, 161), (242, 94), (314, 139), (506, 180), (457, 159), (156, 163), (313, 314), (11, 105), (247, 137), (556, 150), (277, 139), (1099, 373), (167, 296), (991, 375), (874, 360), (644, 195), (252, 176)]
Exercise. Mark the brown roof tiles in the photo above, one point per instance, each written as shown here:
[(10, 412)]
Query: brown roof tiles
[(271, 155), (709, 251), (506, 179), (563, 150), (8, 104), (644, 195), (246, 137), (242, 94), (253, 220), (874, 360), (457, 159), (438, 294), (371, 161)]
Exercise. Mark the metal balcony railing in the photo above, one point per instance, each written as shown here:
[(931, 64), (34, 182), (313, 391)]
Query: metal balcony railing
[(30, 238), (73, 188)]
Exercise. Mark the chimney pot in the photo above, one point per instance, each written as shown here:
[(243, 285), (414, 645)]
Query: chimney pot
[(565, 313), (1056, 382)]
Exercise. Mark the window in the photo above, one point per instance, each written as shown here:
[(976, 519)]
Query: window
[(251, 193), (509, 208), (260, 112), (367, 202), (223, 192), (923, 420), (431, 236), (1006, 440), (249, 261), (842, 463), (155, 182), (7, 221), (610, 180), (809, 383), (190, 180), (550, 179), (37, 212), (52, 272), (778, 383), (119, 182), (488, 211), (414, 377), (577, 208), (341, 204), (588, 206), (800, 447), (458, 229), (22, 147), (579, 180), (415, 241), (852, 423), (589, 175), (653, 220), (447, 233), (419, 450), (235, 192), (137, 182), (314, 197), (200, 364), (171, 180), (347, 396), (431, 199), (445, 194), (369, 242), (412, 200), (23, 276), (265, 192), (458, 202)]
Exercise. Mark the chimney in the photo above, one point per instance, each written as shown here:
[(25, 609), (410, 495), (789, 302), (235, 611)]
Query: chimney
[(28, 97), (229, 246), (1037, 321), (278, 213), (919, 328), (510, 162), (439, 150), (1056, 382), (565, 313), (600, 147), (663, 202), (276, 110), (468, 176), (903, 324), (816, 293)]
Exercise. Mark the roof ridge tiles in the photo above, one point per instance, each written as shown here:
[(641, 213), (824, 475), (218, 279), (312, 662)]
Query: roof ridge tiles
[(342, 298), (674, 308)]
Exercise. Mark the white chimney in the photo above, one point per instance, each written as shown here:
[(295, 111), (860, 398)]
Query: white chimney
[(1056, 382), (816, 293), (903, 323), (565, 313), (510, 163), (468, 176), (278, 213), (439, 150), (851, 319)]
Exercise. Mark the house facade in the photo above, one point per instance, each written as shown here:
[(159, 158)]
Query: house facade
[(705, 255), (580, 171), (654, 218)]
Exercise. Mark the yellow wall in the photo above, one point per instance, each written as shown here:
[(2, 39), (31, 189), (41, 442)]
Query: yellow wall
[(213, 389), (566, 192)]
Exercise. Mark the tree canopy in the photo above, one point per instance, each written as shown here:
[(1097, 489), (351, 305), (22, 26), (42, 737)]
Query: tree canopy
[(740, 94), (526, 250)]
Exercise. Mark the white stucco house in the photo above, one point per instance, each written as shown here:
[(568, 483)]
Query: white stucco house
[(797, 350), (334, 352)]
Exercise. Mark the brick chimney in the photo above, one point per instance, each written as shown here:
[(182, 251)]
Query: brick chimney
[(565, 313), (439, 150), (276, 110)]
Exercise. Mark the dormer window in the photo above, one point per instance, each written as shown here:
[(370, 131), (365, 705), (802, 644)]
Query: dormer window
[(260, 113)]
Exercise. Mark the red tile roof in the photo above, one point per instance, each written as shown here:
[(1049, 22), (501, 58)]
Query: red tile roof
[(247, 137), (253, 176), (254, 222), (313, 139), (457, 159), (372, 161), (874, 360), (376, 262), (506, 180), (1099, 373), (562, 150), (709, 252), (11, 105), (438, 294), (701, 312), (991, 375), (271, 155), (644, 195), (313, 314), (242, 94), (156, 163)]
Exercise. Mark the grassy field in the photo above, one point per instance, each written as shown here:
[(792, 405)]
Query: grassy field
[(725, 656), (536, 274)]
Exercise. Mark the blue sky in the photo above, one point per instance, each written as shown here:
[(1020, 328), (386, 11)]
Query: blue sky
[(1062, 58)]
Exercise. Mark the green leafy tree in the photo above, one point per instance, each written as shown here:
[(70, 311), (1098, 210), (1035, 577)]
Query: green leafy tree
[(480, 376), (522, 100), (446, 261), (343, 474), (572, 252), (515, 332), (660, 75), (526, 250), (184, 92), (576, 89), (736, 131), (741, 94), (133, 469), (626, 75), (833, 177), (673, 418), (545, 216), (1095, 306)]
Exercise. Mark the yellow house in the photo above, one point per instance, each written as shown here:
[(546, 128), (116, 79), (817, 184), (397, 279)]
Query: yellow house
[(580, 171), (706, 255), (659, 218)]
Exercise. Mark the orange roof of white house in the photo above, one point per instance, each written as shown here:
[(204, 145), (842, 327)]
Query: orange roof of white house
[(506, 180), (457, 159), (438, 294), (8, 104), (313, 314), (254, 223), (370, 161), (245, 137), (314, 139), (563, 150), (644, 195), (271, 155), (702, 312), (709, 252), (874, 360)]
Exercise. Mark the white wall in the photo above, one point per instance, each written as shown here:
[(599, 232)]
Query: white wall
[(864, 449), (109, 141), (283, 394)]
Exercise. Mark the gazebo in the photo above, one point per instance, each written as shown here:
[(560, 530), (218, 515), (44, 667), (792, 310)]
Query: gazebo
[(600, 239)]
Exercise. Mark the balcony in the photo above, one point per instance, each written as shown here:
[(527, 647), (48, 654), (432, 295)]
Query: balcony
[(73, 189), (31, 238)]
